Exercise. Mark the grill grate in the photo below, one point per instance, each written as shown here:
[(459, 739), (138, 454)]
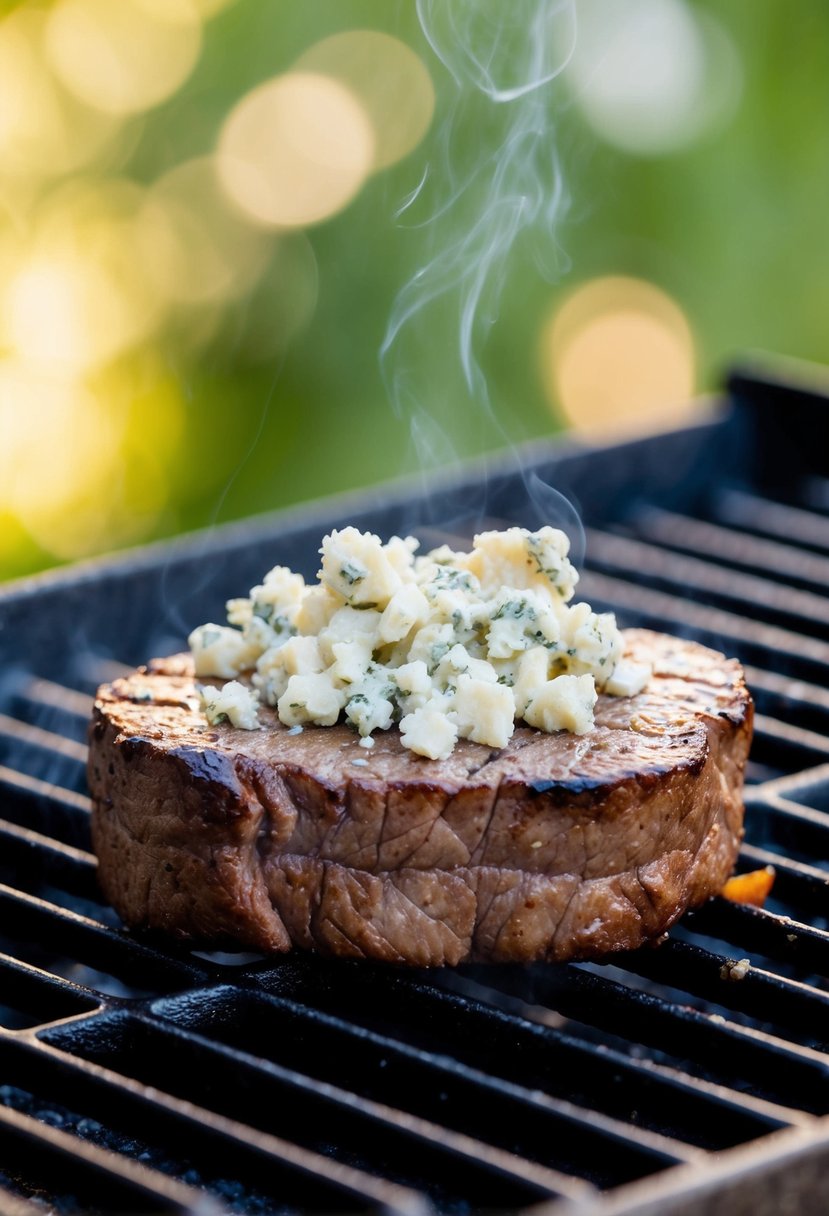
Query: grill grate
[(137, 1076)]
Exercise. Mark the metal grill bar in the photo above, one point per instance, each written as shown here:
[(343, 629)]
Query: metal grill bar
[(318, 1116), (806, 742), (151, 1125), (44, 740), (805, 705), (540, 1056), (58, 696), (795, 829), (780, 748), (502, 1112), (755, 514), (30, 997), (791, 1007), (732, 548), (51, 707), (757, 930), (15, 1205), (706, 1044), (38, 1151), (14, 783), (52, 810), (25, 850), (761, 598), (809, 791), (52, 930)]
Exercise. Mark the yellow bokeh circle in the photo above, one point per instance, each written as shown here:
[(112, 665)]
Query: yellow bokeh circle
[(85, 464), (75, 296), (618, 356), (123, 56), (198, 249), (44, 130), (390, 80), (295, 150)]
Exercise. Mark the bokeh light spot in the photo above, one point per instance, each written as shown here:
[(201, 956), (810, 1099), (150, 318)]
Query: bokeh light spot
[(44, 131), (652, 76), (618, 356), (390, 80), (72, 474), (64, 311), (198, 248), (295, 150), (62, 446), (75, 296), (123, 56)]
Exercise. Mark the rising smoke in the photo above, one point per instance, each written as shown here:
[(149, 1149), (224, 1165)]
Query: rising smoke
[(494, 181), (486, 188)]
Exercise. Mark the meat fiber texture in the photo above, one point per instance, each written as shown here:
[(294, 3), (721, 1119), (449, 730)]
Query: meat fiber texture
[(555, 847)]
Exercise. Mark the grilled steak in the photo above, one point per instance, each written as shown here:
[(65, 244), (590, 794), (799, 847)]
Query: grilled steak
[(555, 847)]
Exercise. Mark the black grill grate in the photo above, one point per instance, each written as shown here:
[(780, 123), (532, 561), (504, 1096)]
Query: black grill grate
[(140, 1077)]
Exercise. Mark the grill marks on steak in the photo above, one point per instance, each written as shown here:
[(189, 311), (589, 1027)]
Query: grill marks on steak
[(556, 847)]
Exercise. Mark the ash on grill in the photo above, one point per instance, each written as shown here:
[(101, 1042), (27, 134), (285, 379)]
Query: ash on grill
[(138, 1077)]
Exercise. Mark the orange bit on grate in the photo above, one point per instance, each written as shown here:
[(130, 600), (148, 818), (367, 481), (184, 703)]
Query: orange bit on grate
[(752, 888)]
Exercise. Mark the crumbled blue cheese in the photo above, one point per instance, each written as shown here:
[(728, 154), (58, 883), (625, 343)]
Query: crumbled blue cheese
[(485, 711), (627, 678), (221, 651), (310, 698), (356, 565), (233, 703), (448, 645), (565, 703), (429, 731)]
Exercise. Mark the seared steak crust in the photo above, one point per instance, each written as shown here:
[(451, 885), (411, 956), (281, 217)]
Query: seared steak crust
[(555, 847)]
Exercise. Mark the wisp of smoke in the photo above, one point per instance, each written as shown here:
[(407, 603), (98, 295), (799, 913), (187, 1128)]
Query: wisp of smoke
[(495, 178), (488, 187)]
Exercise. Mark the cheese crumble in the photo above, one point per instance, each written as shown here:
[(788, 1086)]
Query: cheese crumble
[(447, 645), (233, 703)]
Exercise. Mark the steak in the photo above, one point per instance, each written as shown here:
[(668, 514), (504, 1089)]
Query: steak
[(556, 847)]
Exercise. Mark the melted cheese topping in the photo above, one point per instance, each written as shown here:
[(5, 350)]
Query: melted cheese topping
[(449, 645)]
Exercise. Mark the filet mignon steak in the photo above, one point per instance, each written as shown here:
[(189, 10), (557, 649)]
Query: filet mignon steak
[(555, 847)]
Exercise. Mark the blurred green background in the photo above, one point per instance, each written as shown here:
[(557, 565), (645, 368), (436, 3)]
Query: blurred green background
[(202, 241)]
